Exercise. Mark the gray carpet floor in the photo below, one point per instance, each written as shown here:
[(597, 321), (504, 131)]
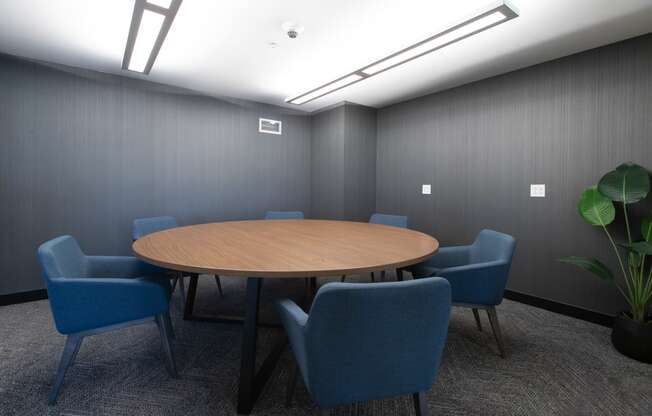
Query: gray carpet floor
[(555, 366)]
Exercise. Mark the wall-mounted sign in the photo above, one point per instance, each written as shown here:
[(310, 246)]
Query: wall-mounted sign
[(266, 125)]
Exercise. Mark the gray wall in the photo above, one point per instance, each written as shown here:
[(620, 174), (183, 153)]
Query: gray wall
[(563, 123), (327, 156), (343, 160), (360, 162), (83, 156)]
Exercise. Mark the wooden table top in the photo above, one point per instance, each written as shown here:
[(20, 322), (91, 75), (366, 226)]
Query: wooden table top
[(285, 248)]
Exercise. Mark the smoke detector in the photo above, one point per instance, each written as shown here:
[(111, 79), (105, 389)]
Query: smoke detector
[(292, 29)]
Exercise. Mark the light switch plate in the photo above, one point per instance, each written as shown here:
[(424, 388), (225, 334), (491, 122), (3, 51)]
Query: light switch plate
[(425, 189), (538, 190)]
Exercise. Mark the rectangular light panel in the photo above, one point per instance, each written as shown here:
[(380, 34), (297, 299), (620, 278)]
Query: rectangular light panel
[(150, 27), (435, 43), (326, 89), (150, 24), (162, 3), (489, 17)]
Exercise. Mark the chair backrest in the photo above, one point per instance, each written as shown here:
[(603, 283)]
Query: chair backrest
[(61, 257), (491, 245), (386, 219), (144, 226), (366, 342), (284, 215)]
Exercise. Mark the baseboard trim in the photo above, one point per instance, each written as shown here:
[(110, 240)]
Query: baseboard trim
[(547, 304), (561, 308), (23, 297)]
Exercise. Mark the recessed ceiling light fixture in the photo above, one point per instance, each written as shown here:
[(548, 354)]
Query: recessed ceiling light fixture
[(150, 24), (495, 14)]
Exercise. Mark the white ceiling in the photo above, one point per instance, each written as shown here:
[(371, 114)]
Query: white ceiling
[(221, 47)]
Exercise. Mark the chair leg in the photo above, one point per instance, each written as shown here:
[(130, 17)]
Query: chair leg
[(476, 315), (495, 327), (170, 328), (292, 383), (165, 343), (219, 285), (70, 350), (399, 275), (420, 406), (373, 278), (343, 278), (182, 287), (382, 275), (174, 283)]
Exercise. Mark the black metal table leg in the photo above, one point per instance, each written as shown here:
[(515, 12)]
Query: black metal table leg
[(189, 314), (252, 383), (190, 296), (248, 358)]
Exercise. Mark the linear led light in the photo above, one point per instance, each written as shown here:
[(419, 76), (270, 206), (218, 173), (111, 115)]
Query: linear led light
[(150, 24), (163, 3), (489, 17), (328, 88)]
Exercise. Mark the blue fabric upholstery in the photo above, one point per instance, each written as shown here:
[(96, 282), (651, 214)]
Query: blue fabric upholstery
[(365, 342), (400, 221), (284, 215), (477, 273), (88, 292), (144, 226)]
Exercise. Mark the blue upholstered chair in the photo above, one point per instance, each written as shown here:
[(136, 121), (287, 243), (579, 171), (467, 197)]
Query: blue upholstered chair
[(145, 226), (91, 294), (477, 274), (365, 342), (399, 221), (284, 215)]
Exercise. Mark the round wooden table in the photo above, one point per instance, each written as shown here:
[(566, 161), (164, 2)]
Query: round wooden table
[(278, 249)]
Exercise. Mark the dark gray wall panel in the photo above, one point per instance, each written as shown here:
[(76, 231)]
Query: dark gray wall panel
[(359, 162), (344, 163), (83, 157), (563, 123), (327, 169)]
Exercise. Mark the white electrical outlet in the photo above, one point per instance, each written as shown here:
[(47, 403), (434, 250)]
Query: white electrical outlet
[(538, 190), (425, 189)]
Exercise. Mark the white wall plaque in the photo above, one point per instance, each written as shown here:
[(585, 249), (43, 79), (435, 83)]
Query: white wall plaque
[(268, 126)]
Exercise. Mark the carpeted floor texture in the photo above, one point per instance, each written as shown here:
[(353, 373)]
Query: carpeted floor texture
[(555, 366)]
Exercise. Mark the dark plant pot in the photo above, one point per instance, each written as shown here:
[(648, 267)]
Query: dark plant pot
[(632, 338)]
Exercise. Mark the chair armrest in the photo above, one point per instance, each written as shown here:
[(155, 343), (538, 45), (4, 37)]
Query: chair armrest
[(120, 266), (80, 304), (449, 257), (444, 258), (478, 283), (294, 320)]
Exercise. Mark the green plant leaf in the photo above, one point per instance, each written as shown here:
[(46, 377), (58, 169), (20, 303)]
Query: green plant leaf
[(595, 208), (628, 183), (640, 247), (646, 228), (592, 265)]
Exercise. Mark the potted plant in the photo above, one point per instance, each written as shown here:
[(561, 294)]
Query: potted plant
[(627, 184)]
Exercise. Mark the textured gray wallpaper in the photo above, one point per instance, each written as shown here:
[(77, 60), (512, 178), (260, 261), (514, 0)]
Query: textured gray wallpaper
[(563, 123), (343, 159), (82, 153), (327, 164), (84, 156)]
